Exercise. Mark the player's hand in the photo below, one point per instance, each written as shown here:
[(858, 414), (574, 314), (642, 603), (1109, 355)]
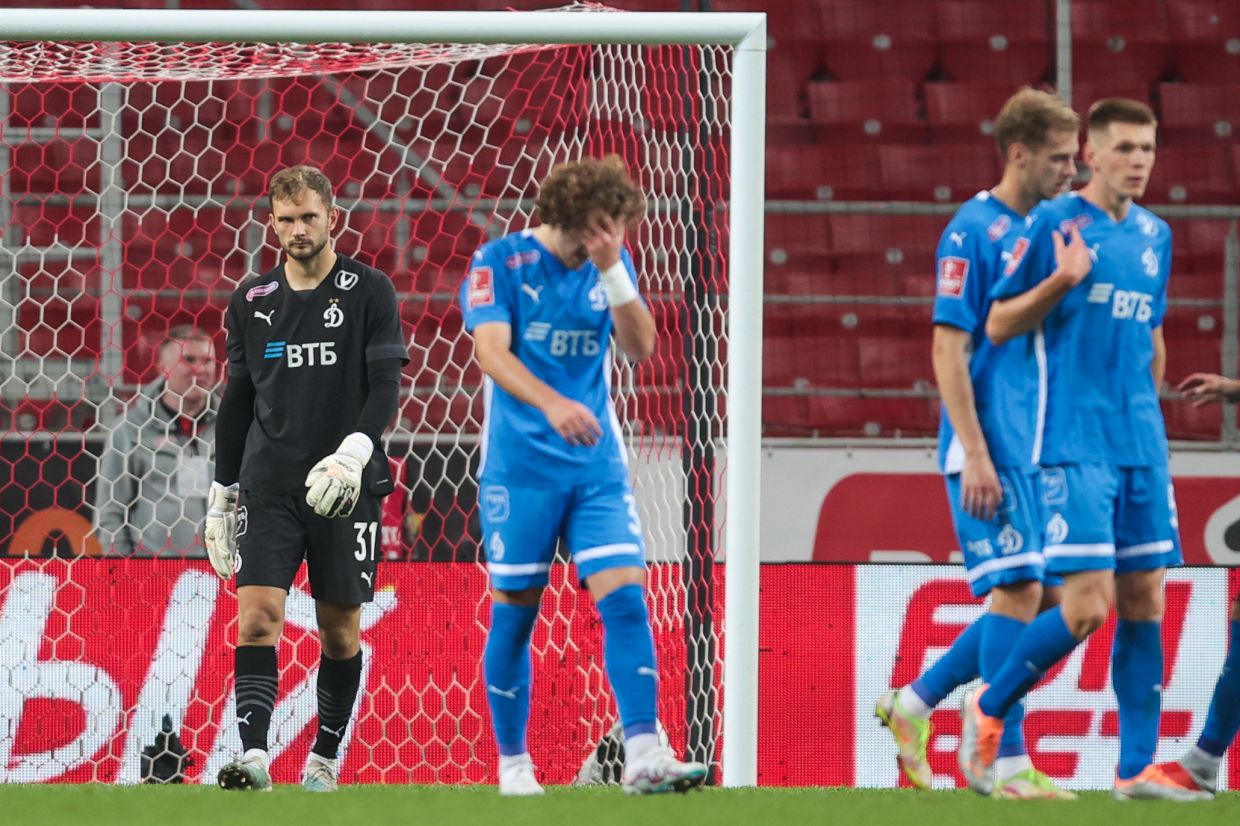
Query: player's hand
[(335, 482), (219, 533), (1072, 259), (1209, 388), (574, 421), (980, 491), (603, 240)]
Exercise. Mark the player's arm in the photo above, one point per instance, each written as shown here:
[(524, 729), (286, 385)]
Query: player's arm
[(115, 490), (980, 488), (493, 349), (335, 483), (1015, 316), (232, 426), (634, 325), (1210, 388), (1159, 364)]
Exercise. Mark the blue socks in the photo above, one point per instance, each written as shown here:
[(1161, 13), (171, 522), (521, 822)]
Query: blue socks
[(998, 640), (1136, 674), (628, 653), (1224, 718), (1044, 642), (506, 667), (955, 668)]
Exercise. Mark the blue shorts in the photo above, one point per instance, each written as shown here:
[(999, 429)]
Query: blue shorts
[(1007, 549), (1100, 517), (521, 527)]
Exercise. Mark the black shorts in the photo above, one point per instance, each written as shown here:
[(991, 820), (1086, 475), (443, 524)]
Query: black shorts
[(275, 532)]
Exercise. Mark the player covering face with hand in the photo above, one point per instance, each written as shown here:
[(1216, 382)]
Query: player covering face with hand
[(314, 356), (543, 305)]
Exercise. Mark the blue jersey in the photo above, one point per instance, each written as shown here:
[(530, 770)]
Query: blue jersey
[(1099, 339), (561, 331), (1006, 386)]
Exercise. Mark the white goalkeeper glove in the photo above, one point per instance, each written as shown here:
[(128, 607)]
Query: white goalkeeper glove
[(335, 482), (220, 532)]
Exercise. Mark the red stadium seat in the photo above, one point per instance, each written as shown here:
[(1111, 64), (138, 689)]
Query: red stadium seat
[(65, 325), (56, 166), (964, 112), (790, 67), (1128, 40), (1205, 40), (1199, 174), (849, 416), (1194, 344), (854, 344), (939, 173), (1198, 111), (186, 248), (823, 173), (884, 110), (1086, 92), (1003, 43), (63, 105), (881, 40)]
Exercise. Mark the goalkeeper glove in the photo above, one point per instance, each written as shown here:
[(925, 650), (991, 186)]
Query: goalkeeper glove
[(335, 482), (220, 532)]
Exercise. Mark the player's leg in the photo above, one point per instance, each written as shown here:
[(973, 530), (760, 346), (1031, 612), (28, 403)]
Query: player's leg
[(1198, 770), (1146, 543), (342, 559), (1078, 501), (604, 533), (905, 712), (339, 678), (520, 527), (270, 546), (1018, 596)]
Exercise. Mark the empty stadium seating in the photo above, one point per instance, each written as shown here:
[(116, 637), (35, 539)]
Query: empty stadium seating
[(1004, 43), (1128, 40), (1199, 112), (853, 111), (892, 100), (1205, 40)]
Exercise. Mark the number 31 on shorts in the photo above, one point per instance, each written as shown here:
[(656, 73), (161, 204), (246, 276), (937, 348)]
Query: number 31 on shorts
[(362, 529)]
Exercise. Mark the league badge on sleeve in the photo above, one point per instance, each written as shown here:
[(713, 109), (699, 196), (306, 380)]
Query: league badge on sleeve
[(481, 287), (953, 272)]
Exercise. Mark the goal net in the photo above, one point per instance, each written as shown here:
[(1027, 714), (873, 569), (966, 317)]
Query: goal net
[(134, 178)]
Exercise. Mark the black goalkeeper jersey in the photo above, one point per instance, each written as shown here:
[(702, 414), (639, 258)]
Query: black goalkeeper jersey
[(307, 354)]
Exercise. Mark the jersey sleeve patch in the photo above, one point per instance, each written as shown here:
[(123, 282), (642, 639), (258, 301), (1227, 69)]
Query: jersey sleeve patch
[(953, 272), (481, 288)]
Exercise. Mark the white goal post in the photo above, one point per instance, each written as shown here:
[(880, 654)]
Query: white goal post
[(745, 34)]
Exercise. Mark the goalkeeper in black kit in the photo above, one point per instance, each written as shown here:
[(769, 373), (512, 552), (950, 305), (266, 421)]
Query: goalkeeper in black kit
[(314, 357)]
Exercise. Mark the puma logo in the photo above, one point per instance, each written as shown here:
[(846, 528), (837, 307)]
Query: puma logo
[(958, 238), (368, 576), (338, 733), (244, 720), (265, 316), (647, 671), (511, 693), (533, 292)]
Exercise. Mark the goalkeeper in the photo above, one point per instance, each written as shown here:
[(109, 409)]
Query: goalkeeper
[(314, 357)]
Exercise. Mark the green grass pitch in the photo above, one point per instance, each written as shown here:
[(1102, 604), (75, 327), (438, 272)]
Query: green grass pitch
[(101, 805)]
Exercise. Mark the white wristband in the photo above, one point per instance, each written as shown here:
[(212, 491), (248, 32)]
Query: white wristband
[(357, 445), (616, 283)]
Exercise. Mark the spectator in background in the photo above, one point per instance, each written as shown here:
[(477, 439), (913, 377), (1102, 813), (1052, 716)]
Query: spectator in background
[(151, 489)]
